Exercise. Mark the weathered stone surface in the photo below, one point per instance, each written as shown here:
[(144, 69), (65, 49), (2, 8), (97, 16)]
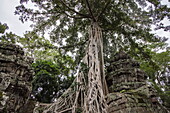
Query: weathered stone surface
[(15, 78), (133, 102), (128, 89)]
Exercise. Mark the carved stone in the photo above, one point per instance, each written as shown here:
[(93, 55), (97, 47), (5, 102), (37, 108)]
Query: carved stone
[(15, 78), (129, 91)]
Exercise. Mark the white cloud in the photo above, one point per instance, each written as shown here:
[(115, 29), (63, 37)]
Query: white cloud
[(7, 8)]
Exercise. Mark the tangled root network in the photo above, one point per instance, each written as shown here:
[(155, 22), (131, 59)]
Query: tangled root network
[(88, 96)]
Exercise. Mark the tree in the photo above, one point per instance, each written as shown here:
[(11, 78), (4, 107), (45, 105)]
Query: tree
[(3, 27), (52, 69), (155, 63), (158, 72), (5, 36), (125, 24), (51, 80)]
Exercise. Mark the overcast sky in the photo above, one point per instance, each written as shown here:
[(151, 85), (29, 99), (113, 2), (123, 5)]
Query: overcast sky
[(7, 8)]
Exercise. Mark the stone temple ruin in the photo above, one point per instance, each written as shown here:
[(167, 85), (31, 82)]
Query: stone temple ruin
[(15, 79), (129, 91)]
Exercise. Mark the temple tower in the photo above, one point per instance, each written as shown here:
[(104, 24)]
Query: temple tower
[(129, 91)]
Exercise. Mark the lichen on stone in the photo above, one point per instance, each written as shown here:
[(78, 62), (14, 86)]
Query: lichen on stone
[(15, 78)]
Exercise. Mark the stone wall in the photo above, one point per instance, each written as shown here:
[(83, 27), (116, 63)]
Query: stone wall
[(129, 91), (15, 78)]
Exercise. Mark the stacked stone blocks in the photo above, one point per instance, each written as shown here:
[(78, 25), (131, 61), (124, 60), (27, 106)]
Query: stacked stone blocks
[(15, 78)]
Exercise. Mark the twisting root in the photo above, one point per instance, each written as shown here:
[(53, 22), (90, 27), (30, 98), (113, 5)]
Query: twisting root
[(89, 95), (95, 102)]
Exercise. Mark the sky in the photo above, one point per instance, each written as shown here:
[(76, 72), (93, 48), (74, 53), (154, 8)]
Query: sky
[(7, 8)]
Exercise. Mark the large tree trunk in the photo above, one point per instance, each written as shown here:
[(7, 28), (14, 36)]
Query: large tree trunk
[(94, 100), (89, 92)]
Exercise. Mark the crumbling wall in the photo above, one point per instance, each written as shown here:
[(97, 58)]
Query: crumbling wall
[(15, 78), (128, 90)]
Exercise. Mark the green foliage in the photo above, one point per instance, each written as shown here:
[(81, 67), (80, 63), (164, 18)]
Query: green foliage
[(3, 27), (35, 45), (126, 26), (7, 37), (157, 64), (54, 71), (124, 22), (51, 80), (158, 70)]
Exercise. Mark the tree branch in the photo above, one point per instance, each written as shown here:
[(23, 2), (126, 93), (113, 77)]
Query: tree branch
[(83, 15), (88, 5), (75, 17), (74, 45), (104, 9)]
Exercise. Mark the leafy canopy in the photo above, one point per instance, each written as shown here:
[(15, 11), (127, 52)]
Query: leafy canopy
[(51, 80), (126, 26), (125, 23)]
